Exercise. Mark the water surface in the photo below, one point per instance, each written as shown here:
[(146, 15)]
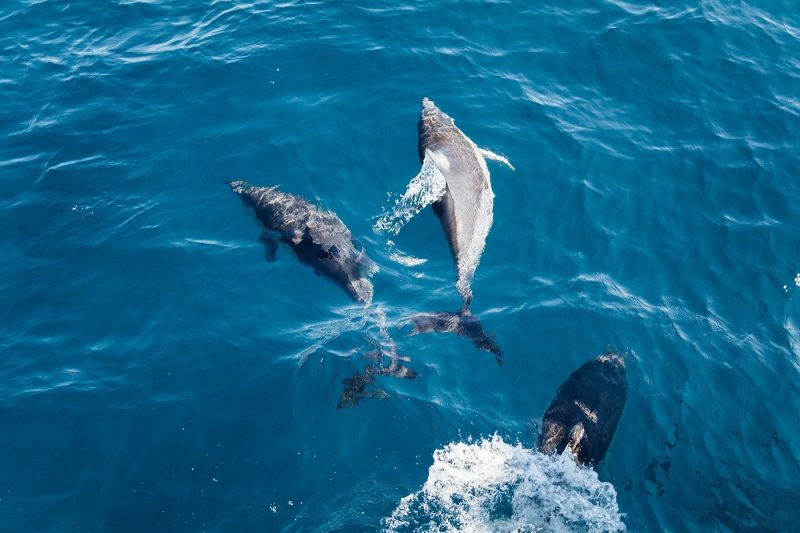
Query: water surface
[(158, 375)]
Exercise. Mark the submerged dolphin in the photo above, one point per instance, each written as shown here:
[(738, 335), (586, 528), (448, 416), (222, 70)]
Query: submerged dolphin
[(318, 237), (586, 410), (455, 179)]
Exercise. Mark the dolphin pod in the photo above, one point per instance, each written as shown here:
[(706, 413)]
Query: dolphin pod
[(582, 417)]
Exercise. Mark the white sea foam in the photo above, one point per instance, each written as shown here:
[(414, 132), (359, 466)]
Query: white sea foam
[(424, 189), (406, 260), (403, 258), (490, 485)]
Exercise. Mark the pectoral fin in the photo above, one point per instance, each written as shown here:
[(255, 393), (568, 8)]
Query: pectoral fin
[(270, 246), (487, 154)]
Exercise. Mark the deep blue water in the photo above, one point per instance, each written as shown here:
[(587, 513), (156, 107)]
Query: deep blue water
[(158, 375)]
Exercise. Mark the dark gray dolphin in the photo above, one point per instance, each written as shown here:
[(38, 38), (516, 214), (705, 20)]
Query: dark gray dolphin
[(463, 323), (318, 237), (586, 410), (321, 240)]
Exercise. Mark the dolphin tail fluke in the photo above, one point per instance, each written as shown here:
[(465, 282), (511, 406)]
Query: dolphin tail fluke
[(463, 324), (488, 154)]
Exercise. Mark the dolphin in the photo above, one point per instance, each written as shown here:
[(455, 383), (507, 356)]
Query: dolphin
[(318, 237), (321, 240), (586, 410), (455, 179), (465, 205)]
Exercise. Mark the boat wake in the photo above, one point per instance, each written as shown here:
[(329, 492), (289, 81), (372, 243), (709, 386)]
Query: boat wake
[(490, 485)]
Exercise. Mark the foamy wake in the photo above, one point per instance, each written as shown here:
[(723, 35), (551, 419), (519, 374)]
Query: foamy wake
[(424, 189), (489, 485)]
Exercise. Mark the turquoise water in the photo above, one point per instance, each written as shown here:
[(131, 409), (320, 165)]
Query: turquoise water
[(158, 375)]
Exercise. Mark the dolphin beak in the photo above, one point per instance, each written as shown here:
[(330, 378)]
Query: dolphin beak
[(237, 186)]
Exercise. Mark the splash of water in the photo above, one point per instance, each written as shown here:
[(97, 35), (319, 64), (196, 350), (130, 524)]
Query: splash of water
[(424, 189), (403, 258), (489, 485)]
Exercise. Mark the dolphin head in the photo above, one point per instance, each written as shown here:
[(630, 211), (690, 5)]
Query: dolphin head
[(265, 201), (264, 194), (436, 129), (428, 106), (433, 115), (238, 186)]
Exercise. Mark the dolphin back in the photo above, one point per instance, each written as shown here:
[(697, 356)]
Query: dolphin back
[(317, 236), (586, 410)]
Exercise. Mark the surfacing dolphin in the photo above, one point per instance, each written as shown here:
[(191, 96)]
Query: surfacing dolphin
[(318, 237), (586, 410), (320, 240), (465, 206), (455, 179)]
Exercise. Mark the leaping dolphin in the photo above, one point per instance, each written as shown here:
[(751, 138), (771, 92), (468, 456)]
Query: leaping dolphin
[(586, 410), (455, 179)]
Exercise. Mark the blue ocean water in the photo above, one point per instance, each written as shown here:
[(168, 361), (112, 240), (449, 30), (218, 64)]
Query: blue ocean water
[(158, 375)]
